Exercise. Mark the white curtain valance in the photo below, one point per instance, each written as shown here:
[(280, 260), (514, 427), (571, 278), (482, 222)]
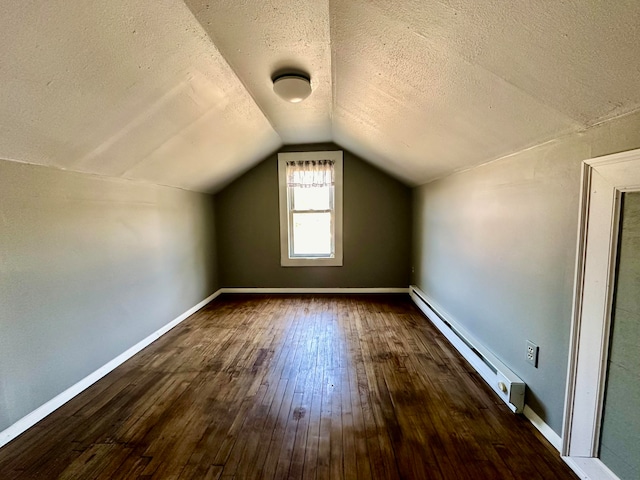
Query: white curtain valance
[(310, 173)]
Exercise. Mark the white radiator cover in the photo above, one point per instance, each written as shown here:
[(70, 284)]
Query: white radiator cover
[(509, 387)]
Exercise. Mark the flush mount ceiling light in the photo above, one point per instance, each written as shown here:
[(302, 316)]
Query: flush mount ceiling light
[(292, 87)]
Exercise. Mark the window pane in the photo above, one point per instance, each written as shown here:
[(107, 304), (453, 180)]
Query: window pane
[(313, 198), (312, 234)]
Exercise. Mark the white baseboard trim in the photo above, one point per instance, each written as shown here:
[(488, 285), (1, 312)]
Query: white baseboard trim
[(588, 468), (547, 432), (315, 290), (502, 380), (464, 342), (42, 411)]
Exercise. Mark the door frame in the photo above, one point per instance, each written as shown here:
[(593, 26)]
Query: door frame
[(604, 180)]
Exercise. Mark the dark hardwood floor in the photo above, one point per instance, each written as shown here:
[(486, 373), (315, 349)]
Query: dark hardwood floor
[(289, 387)]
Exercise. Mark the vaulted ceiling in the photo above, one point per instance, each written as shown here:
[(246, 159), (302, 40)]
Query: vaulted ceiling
[(180, 93)]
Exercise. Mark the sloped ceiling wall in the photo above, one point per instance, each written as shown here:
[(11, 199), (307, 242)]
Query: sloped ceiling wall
[(180, 93)]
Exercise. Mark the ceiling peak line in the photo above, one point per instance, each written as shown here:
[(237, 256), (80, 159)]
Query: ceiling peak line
[(232, 68)]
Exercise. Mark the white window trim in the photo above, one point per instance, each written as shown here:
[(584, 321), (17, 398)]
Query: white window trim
[(285, 260)]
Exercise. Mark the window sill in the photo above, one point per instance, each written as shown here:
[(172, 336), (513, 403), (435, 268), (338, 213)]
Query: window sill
[(311, 262)]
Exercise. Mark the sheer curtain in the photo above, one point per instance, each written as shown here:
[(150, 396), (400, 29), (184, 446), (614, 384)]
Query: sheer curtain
[(310, 173)]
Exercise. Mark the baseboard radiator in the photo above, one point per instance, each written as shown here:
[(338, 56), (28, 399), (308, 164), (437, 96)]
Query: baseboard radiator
[(509, 387)]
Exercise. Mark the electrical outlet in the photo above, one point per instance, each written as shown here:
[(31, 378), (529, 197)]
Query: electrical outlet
[(532, 353)]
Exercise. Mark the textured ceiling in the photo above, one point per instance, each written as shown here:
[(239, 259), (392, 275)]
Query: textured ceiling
[(179, 93)]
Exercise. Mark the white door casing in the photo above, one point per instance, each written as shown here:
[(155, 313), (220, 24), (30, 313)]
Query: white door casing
[(604, 180)]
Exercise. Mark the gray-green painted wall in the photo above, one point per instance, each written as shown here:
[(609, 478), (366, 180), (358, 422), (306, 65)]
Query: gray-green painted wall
[(620, 441), (377, 226), (90, 266), (495, 247)]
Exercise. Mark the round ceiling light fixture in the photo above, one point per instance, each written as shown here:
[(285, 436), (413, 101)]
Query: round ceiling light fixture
[(293, 88)]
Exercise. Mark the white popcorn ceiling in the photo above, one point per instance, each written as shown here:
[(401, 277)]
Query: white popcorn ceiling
[(180, 93)]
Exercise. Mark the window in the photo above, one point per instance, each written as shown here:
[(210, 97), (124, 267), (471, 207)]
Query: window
[(310, 208)]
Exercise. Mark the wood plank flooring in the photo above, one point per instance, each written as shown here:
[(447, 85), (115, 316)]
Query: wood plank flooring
[(335, 387)]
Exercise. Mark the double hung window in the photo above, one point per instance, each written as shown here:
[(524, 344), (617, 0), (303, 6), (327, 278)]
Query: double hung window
[(310, 208)]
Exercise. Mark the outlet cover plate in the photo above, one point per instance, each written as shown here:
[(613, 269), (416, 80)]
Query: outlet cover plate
[(532, 353)]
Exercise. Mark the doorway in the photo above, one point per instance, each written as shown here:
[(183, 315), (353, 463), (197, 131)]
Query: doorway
[(602, 429)]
